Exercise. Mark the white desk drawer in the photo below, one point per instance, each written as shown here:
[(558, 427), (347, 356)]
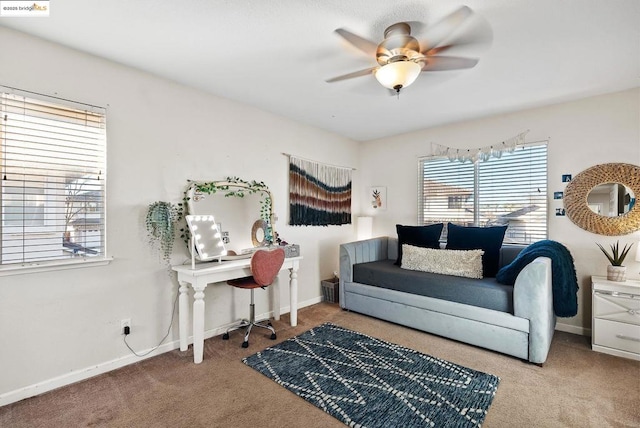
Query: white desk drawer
[(617, 335)]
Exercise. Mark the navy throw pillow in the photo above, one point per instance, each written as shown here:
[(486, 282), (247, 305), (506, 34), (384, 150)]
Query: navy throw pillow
[(488, 239), (419, 236)]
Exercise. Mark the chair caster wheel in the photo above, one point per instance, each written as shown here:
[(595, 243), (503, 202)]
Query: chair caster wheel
[(245, 344), (273, 336), (225, 336)]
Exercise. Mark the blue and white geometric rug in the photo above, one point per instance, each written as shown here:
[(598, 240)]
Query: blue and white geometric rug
[(367, 382)]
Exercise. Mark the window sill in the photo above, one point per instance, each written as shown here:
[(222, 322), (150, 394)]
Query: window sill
[(9, 270)]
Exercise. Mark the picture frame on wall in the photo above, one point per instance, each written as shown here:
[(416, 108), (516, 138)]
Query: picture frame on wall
[(378, 197)]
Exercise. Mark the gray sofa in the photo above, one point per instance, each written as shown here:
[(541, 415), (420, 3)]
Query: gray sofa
[(517, 321)]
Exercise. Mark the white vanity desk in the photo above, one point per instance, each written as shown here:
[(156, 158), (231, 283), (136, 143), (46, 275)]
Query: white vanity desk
[(207, 273)]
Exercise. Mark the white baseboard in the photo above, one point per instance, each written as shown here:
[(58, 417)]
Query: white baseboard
[(82, 374), (107, 366), (305, 303), (569, 328)]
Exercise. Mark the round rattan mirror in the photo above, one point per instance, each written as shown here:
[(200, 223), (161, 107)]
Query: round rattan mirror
[(259, 233), (576, 202)]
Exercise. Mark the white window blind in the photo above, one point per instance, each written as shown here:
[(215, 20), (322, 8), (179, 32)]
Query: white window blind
[(443, 183), (510, 190), (52, 162)]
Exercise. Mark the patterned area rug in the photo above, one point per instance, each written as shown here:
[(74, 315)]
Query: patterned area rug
[(367, 382)]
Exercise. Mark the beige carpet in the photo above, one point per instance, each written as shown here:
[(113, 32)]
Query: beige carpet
[(576, 387)]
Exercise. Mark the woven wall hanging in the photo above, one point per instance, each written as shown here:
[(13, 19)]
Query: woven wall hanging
[(319, 194)]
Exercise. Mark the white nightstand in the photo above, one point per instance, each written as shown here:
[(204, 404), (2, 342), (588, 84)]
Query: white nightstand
[(615, 326)]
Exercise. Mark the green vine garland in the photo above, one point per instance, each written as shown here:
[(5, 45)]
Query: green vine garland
[(247, 188)]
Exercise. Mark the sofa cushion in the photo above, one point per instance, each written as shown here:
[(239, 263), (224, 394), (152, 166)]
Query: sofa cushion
[(488, 239), (419, 236), (484, 293), (465, 263)]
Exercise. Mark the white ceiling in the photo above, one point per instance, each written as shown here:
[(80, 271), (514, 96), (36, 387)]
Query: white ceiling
[(276, 55)]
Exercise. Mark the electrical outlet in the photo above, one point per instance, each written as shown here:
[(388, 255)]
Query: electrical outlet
[(125, 323)]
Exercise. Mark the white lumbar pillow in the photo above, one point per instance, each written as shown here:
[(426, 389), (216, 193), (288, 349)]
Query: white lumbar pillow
[(466, 263)]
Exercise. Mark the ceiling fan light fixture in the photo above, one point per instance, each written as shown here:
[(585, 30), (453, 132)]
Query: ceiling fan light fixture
[(398, 74)]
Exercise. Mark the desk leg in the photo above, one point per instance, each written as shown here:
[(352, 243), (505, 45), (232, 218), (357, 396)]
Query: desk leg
[(293, 294), (276, 301), (183, 317), (198, 323)]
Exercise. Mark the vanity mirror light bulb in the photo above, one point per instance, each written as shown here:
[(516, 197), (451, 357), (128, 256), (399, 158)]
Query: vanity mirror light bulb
[(210, 218), (194, 227), (205, 255), (197, 218), (224, 253), (217, 235), (201, 246), (220, 244), (198, 236)]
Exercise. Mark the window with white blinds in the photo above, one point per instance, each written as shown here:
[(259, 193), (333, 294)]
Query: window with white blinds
[(510, 190), (52, 163)]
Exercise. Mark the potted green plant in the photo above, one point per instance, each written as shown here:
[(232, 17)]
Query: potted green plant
[(616, 271), (160, 222)]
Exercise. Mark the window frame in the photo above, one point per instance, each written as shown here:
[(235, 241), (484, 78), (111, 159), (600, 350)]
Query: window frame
[(54, 263), (475, 198)]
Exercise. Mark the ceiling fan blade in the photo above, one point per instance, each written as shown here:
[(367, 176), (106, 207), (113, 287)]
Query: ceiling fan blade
[(439, 49), (445, 27), (457, 46), (443, 63), (352, 75), (364, 45), (476, 37)]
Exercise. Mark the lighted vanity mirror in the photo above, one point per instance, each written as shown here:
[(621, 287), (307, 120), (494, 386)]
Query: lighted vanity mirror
[(206, 240), (243, 211), (611, 199), (602, 199)]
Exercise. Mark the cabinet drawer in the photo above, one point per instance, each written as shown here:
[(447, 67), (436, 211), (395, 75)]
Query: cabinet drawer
[(617, 335), (625, 308)]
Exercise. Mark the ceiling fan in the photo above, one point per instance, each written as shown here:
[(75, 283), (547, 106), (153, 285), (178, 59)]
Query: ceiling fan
[(401, 58)]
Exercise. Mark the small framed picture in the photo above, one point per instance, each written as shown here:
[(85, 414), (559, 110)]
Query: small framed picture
[(557, 195), (560, 211), (378, 195), (566, 178)]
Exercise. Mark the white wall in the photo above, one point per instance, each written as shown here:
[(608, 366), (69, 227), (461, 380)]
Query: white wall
[(54, 326), (581, 134)]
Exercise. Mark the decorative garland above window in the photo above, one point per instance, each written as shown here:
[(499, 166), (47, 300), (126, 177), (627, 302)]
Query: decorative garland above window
[(482, 153)]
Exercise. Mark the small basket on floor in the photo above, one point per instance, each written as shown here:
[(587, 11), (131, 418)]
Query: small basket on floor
[(331, 290)]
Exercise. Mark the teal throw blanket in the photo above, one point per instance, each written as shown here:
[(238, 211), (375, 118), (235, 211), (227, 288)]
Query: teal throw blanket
[(563, 274)]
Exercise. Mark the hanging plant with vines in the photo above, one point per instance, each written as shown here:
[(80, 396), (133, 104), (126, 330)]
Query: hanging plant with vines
[(161, 221)]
